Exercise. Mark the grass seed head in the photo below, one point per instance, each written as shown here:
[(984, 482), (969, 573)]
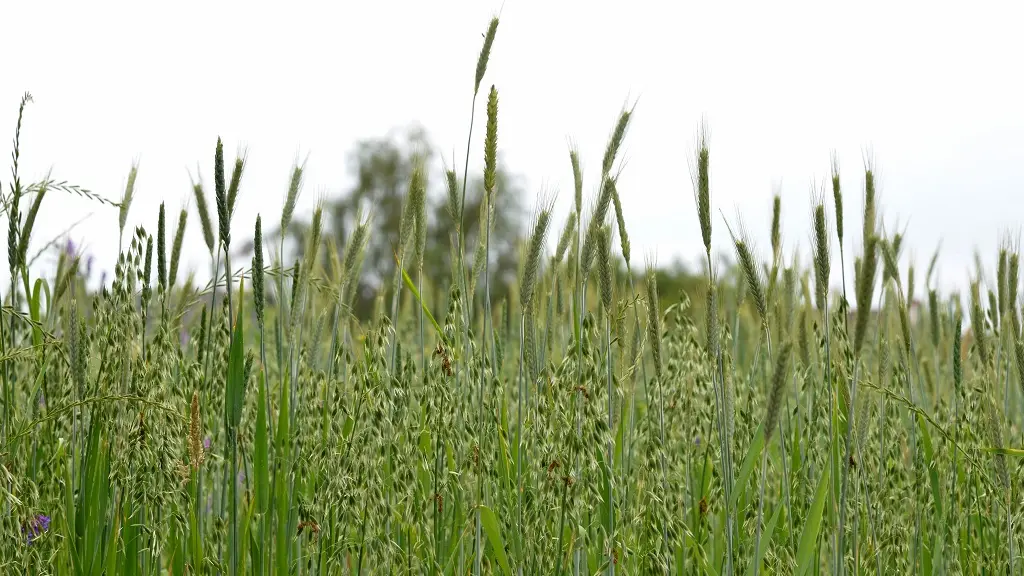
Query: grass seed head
[(604, 267), (565, 238), (220, 189), (531, 270), (621, 221), (179, 238), (614, 142), (771, 417), (485, 54), (127, 197), (822, 257), (204, 215), (236, 181), (258, 295), (577, 178), (161, 250), (837, 196), (491, 142)]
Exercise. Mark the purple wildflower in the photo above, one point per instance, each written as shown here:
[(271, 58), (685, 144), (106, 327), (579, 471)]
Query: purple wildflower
[(696, 441), (36, 526), (206, 443)]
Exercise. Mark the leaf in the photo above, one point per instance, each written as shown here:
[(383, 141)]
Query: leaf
[(766, 539), (490, 524), (806, 551), (234, 399), (753, 453)]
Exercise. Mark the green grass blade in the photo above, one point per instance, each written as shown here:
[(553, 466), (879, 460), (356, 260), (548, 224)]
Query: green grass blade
[(806, 554), (493, 530)]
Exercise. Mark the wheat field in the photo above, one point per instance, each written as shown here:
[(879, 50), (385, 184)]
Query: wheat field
[(784, 418)]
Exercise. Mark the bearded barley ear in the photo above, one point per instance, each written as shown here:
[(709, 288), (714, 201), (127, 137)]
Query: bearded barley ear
[(313, 248), (204, 215), (179, 237), (891, 265), (995, 435), (126, 199), (803, 339), (485, 54), (236, 181), (596, 222), (294, 187), (753, 276), (452, 186), (931, 266), (910, 283), (837, 196), (604, 267), (702, 188), (776, 225), (531, 270), (1012, 286), (771, 417), (147, 269), (1001, 282), (822, 258), (161, 250), (1019, 355), (615, 141), (978, 323), (486, 216), (258, 293), (654, 318), (905, 327), (993, 311), (296, 281), (958, 370), (201, 342), (711, 321), (491, 142), (869, 203), (933, 312), (418, 200), (577, 178), (220, 189), (353, 252), (623, 235), (565, 238), (865, 289)]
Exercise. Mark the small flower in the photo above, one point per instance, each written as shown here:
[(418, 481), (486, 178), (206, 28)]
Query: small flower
[(35, 527), (206, 443), (696, 441)]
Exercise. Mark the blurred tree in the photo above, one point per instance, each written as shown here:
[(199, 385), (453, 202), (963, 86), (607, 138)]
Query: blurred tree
[(382, 169)]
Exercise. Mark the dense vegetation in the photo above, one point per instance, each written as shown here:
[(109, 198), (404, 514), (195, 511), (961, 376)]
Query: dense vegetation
[(760, 421)]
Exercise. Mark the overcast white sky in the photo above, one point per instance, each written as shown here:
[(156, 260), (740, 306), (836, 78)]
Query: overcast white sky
[(935, 90)]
